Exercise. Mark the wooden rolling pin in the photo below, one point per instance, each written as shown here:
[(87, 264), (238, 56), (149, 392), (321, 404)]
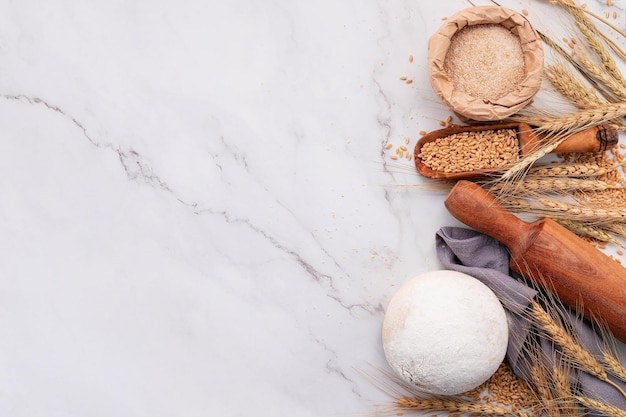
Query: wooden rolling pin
[(575, 269)]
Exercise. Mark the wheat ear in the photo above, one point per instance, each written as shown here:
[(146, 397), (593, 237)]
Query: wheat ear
[(579, 94), (573, 351), (603, 407), (614, 366), (610, 355), (591, 34), (571, 87), (574, 122), (603, 77), (531, 185), (457, 405), (540, 381), (562, 52), (583, 212), (406, 398), (563, 389), (564, 169), (562, 210), (610, 42), (618, 229), (589, 231)]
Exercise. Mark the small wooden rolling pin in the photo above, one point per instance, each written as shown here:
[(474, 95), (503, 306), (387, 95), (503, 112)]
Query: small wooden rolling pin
[(576, 270)]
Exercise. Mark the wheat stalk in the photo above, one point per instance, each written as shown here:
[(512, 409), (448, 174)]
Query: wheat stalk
[(608, 75), (574, 122), (589, 231), (562, 52), (531, 185), (564, 169), (579, 94), (559, 209), (539, 378), (610, 42), (599, 74), (571, 349), (614, 366), (591, 34), (563, 389), (609, 355), (405, 397), (583, 212), (571, 87), (618, 229), (603, 407), (594, 38), (457, 405)]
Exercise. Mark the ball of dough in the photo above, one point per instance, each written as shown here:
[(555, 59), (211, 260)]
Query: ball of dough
[(445, 332)]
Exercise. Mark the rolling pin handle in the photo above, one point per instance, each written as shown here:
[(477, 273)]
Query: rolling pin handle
[(475, 207)]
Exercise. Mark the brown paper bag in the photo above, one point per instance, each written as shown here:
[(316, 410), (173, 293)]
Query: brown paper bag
[(476, 108)]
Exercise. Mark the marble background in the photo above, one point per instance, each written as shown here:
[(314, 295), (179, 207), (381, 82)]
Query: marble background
[(198, 214)]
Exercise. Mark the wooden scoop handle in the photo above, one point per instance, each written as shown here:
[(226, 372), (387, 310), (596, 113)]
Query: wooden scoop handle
[(595, 139)]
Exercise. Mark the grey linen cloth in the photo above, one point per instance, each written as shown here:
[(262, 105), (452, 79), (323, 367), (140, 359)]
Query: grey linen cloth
[(486, 259)]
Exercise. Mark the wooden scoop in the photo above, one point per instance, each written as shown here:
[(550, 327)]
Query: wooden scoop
[(590, 140), (547, 253)]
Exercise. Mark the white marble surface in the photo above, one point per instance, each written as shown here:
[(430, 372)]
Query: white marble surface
[(197, 216)]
